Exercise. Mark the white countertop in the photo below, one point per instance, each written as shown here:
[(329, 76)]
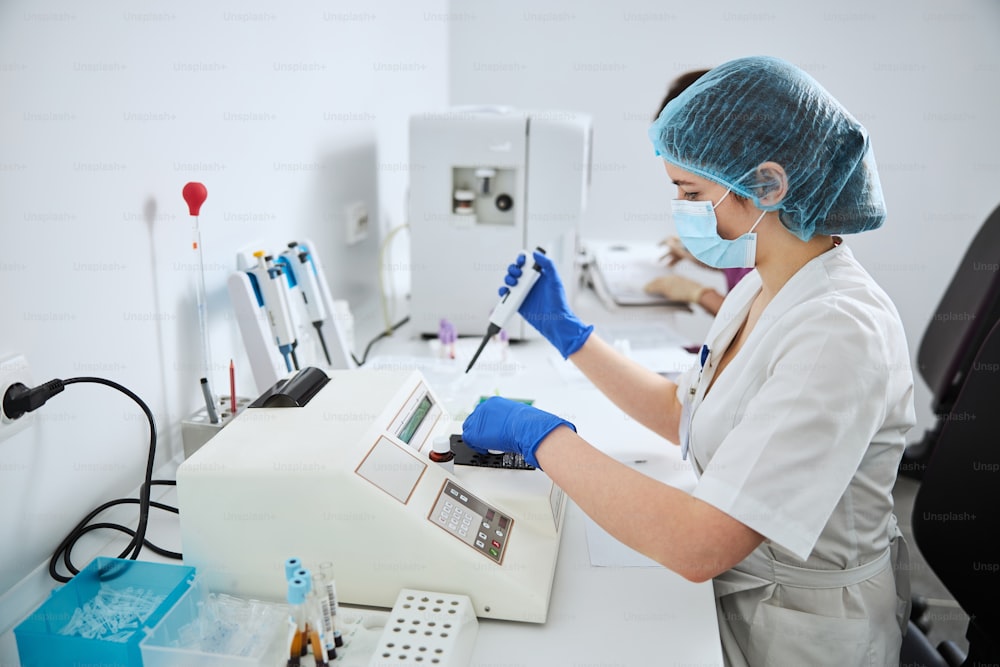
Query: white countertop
[(620, 614)]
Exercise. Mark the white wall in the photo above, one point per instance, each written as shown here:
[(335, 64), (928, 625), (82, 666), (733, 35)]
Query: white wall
[(289, 113), (921, 75), (285, 111)]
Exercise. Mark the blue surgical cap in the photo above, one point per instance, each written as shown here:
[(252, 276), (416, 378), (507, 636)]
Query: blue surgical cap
[(754, 110)]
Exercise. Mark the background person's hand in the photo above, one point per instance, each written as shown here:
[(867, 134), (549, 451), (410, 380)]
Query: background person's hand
[(500, 424), (676, 288)]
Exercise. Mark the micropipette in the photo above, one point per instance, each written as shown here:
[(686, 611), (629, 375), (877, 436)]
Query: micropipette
[(302, 273), (270, 294), (508, 305)]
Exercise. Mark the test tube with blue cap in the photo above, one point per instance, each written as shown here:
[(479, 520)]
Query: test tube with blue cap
[(293, 566), (320, 641), (297, 603)]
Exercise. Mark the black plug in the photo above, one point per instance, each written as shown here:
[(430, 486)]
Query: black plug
[(18, 399)]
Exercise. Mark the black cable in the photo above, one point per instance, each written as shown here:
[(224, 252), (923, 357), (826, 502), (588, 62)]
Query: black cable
[(387, 332), (135, 545), (82, 527), (20, 399)]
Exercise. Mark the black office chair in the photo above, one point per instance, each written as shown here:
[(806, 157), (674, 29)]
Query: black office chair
[(956, 515), (966, 313)]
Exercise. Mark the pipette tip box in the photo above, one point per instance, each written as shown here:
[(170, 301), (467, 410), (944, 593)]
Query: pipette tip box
[(100, 616), (218, 630)]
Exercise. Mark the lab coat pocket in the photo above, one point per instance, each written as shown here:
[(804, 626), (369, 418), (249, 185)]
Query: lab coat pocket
[(780, 637)]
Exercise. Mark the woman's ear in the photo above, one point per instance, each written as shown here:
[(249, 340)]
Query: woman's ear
[(773, 183)]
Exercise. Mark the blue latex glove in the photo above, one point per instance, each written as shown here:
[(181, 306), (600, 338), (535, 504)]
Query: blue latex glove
[(545, 307), (509, 426)]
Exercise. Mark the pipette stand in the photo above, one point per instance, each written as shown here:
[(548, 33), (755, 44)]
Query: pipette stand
[(198, 429), (426, 626), (266, 361)]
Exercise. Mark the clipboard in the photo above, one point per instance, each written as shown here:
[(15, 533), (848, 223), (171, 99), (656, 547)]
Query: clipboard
[(618, 271)]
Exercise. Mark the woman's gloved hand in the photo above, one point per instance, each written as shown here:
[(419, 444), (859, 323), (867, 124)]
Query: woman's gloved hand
[(504, 425), (545, 307), (676, 288)]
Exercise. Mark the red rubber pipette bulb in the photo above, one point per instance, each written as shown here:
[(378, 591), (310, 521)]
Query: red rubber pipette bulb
[(195, 195)]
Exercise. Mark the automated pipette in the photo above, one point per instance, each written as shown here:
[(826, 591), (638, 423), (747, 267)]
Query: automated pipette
[(301, 273), (267, 281), (509, 302)]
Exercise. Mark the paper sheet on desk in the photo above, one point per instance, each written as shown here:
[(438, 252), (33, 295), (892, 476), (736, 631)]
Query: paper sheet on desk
[(669, 361), (606, 551)]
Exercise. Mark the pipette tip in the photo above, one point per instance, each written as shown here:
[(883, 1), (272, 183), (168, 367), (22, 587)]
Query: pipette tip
[(491, 331)]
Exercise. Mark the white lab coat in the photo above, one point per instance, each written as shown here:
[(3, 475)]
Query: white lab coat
[(800, 438)]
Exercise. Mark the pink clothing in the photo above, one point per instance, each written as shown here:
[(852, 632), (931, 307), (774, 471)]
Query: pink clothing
[(733, 276)]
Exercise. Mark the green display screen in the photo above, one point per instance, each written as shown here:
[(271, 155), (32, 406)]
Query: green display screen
[(526, 401), (417, 418)]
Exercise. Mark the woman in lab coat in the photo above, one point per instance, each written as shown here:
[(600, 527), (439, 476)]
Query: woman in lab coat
[(794, 419)]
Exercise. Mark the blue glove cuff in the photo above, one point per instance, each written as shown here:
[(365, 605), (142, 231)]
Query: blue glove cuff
[(575, 344), (565, 331), (529, 452)]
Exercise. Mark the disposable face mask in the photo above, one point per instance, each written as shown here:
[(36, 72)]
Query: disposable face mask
[(698, 230)]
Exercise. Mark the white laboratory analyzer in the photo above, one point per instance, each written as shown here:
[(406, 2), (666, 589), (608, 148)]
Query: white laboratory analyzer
[(340, 466), (484, 180)]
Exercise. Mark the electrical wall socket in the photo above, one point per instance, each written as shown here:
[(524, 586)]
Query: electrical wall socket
[(357, 222), (14, 369)]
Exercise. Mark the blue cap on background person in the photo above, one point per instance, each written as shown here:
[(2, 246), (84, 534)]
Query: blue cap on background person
[(754, 110)]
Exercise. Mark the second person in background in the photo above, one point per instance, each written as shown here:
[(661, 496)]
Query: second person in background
[(671, 285)]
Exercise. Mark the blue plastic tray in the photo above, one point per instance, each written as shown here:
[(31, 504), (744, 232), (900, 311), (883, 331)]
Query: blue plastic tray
[(42, 638)]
